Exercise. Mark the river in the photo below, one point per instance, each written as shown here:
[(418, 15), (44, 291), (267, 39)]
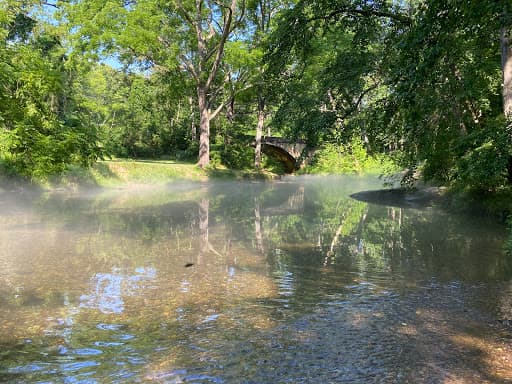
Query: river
[(292, 281)]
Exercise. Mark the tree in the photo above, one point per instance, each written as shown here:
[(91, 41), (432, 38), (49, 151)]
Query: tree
[(330, 56), (446, 96), (212, 31), (137, 115), (432, 89), (186, 35), (41, 122), (506, 66), (261, 14)]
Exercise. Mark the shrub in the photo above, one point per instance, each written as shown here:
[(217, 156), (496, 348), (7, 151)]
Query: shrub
[(237, 156), (349, 158)]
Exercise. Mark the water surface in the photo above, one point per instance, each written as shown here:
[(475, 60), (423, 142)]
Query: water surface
[(248, 282)]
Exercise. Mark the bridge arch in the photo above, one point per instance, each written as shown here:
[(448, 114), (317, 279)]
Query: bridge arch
[(289, 152), (282, 155)]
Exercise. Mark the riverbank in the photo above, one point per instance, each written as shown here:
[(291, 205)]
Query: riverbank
[(497, 204), (119, 173), (125, 172)]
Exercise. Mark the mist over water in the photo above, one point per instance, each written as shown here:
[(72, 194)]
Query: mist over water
[(245, 282)]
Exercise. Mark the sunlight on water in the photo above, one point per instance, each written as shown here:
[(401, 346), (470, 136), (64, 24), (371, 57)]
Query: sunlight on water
[(243, 282), (108, 289)]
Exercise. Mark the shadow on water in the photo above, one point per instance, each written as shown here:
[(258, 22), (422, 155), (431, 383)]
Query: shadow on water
[(245, 282), (400, 197), (376, 338)]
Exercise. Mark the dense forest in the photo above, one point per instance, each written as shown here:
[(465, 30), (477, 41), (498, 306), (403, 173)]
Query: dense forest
[(427, 83)]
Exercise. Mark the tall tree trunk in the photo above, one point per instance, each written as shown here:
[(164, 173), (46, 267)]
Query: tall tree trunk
[(193, 130), (506, 66), (204, 128), (204, 64), (259, 132), (231, 109)]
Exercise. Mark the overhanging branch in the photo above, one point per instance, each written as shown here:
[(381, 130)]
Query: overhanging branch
[(363, 13), (46, 3)]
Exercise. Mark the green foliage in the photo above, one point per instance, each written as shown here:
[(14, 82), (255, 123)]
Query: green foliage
[(137, 115), (422, 78), (484, 165), (41, 125), (237, 156), (349, 158), (329, 66), (181, 45), (273, 165), (446, 101), (418, 81), (334, 158), (507, 247)]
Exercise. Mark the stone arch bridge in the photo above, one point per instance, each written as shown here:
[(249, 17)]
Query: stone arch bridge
[(291, 153)]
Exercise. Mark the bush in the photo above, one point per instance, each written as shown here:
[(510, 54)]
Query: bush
[(484, 165), (273, 165), (237, 156), (349, 158)]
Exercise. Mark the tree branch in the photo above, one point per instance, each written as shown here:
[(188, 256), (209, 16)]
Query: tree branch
[(364, 13), (195, 24), (220, 50), (185, 14), (359, 100), (225, 102), (189, 67), (240, 18), (49, 4)]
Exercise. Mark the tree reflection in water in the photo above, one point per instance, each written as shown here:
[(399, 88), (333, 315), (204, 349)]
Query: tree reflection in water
[(275, 265)]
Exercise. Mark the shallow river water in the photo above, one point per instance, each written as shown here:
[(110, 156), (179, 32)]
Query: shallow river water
[(290, 281)]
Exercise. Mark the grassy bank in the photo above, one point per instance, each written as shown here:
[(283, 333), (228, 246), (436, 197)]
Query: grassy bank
[(114, 173), (119, 172)]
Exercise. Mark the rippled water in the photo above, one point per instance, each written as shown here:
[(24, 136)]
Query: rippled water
[(289, 281)]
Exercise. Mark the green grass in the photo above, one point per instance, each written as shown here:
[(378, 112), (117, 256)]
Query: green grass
[(118, 172), (247, 174), (113, 173)]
